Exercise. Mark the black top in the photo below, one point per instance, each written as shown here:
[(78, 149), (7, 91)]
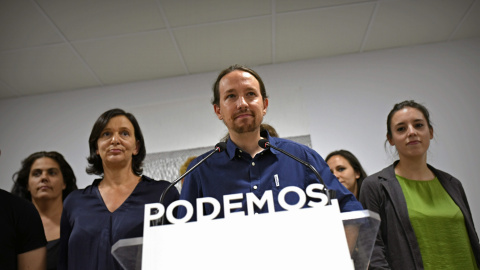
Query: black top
[(21, 229), (53, 248)]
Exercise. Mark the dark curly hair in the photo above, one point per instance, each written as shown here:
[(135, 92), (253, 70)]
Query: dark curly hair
[(216, 85), (20, 178), (95, 161), (353, 160)]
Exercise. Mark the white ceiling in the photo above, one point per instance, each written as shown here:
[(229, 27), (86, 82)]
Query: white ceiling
[(60, 45)]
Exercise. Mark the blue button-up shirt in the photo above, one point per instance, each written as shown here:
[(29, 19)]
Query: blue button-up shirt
[(234, 171)]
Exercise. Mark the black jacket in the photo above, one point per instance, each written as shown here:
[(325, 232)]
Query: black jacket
[(396, 246)]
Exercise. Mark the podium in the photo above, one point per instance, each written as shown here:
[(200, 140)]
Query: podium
[(320, 237)]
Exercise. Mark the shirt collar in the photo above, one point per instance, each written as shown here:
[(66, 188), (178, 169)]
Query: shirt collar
[(271, 140), (232, 148)]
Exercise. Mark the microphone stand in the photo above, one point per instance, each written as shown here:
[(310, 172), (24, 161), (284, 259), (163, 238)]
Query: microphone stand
[(219, 147), (330, 193)]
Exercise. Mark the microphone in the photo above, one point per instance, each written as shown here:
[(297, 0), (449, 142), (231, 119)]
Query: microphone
[(265, 144), (219, 147)]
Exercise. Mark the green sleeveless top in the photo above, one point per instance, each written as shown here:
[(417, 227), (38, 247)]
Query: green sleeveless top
[(439, 225)]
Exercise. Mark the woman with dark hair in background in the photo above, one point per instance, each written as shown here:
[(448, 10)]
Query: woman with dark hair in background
[(426, 221), (112, 208), (346, 167), (46, 179)]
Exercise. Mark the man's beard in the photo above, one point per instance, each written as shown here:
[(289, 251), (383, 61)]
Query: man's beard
[(245, 128), (252, 126)]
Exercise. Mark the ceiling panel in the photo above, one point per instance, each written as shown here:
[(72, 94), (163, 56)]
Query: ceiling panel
[(188, 12), (321, 32), (403, 23), (23, 26), (132, 58), (289, 5), (88, 19), (46, 69), (217, 46), (55, 45), (470, 27)]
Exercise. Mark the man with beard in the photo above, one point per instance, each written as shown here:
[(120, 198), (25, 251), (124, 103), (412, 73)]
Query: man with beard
[(240, 101)]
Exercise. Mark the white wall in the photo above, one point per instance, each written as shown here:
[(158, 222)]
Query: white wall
[(341, 101)]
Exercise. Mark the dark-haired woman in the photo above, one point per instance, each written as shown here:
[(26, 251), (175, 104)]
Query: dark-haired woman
[(346, 167), (426, 221), (46, 179), (112, 208)]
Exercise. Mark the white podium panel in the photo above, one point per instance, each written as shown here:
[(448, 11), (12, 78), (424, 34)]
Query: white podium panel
[(296, 239), (313, 238)]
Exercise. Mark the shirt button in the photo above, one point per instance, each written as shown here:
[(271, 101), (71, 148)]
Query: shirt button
[(255, 187), (240, 151), (253, 163)]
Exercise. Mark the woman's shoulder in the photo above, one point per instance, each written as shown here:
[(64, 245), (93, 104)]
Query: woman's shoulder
[(153, 185), (86, 190), (444, 176), (152, 182), (78, 195), (14, 203), (381, 175), (154, 188)]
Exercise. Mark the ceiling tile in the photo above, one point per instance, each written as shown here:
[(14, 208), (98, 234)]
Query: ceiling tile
[(289, 5), (124, 40), (470, 27), (132, 58), (46, 69), (215, 47), (321, 32), (92, 18), (188, 12), (403, 23), (22, 25)]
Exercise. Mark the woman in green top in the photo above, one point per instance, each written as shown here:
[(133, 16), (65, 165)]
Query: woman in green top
[(426, 220)]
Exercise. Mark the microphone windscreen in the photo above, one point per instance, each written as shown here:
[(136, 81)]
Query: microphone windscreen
[(221, 146), (264, 143)]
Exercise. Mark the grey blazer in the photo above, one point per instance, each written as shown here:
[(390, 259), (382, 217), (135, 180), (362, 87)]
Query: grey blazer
[(396, 246)]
